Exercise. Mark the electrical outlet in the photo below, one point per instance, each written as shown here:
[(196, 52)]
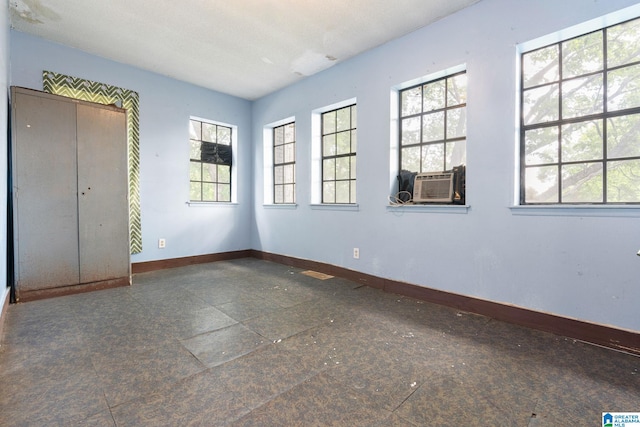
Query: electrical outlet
[(356, 253), (162, 243)]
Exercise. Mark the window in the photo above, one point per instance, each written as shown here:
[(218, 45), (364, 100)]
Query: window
[(210, 162), (284, 163), (433, 139), (339, 155), (580, 119)]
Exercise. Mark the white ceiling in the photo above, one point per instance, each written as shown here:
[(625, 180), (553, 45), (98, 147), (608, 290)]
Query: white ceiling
[(245, 48)]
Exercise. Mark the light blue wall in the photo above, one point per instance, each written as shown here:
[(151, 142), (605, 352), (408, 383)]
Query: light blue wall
[(579, 263), (165, 108)]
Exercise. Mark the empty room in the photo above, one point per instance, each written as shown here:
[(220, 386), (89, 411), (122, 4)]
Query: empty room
[(338, 213)]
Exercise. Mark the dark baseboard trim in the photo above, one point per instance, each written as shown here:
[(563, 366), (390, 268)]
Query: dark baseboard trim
[(144, 267), (37, 294), (607, 336)]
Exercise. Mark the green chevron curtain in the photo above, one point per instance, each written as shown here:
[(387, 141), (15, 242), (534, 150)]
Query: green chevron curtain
[(101, 93)]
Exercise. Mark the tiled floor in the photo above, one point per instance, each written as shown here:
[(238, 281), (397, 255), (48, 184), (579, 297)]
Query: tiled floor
[(253, 343)]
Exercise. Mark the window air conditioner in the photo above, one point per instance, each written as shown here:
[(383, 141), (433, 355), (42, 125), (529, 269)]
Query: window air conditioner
[(433, 187)]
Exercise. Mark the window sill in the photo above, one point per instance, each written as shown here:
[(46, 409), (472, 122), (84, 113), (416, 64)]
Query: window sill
[(221, 204), (409, 207), (280, 206), (577, 210), (336, 206)]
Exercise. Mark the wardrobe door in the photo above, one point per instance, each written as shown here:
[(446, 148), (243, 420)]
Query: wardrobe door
[(103, 206), (45, 192)]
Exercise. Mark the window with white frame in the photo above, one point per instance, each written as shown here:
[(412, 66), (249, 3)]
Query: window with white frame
[(580, 119), (433, 134), (284, 163), (210, 162), (339, 142)]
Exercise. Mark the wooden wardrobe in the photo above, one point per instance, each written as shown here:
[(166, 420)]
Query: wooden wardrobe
[(70, 195)]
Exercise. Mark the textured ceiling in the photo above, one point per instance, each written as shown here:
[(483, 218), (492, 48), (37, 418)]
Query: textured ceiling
[(245, 48)]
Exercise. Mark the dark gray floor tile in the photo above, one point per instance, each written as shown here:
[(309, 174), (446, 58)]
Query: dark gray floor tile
[(217, 347), (199, 400), (262, 374), (280, 324), (318, 401)]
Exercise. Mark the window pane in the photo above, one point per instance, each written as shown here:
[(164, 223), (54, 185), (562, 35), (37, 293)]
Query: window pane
[(623, 136), (278, 175), (278, 194), (290, 132), (289, 172), (582, 55), (622, 43), (456, 122), (411, 131), (342, 167), (329, 145), (208, 132), (353, 167), (354, 141), (343, 143), (541, 104), (290, 153), (434, 95), (582, 96), (195, 129), (289, 193), (195, 150), (195, 191), (457, 90), (541, 145), (343, 119), (278, 135), (623, 88), (329, 192), (195, 171), (342, 191), (540, 66), (329, 122), (411, 159), (354, 116), (224, 173), (582, 183), (411, 101), (623, 181), (541, 184), (433, 126), (209, 172), (208, 192), (278, 154), (456, 154), (353, 190), (433, 158), (582, 141), (329, 169), (224, 192), (224, 135)]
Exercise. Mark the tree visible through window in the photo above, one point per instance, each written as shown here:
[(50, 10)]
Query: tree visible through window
[(210, 162), (433, 125), (580, 119), (339, 155), (284, 163)]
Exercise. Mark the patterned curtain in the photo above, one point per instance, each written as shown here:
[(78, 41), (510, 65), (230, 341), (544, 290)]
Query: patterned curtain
[(101, 93)]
